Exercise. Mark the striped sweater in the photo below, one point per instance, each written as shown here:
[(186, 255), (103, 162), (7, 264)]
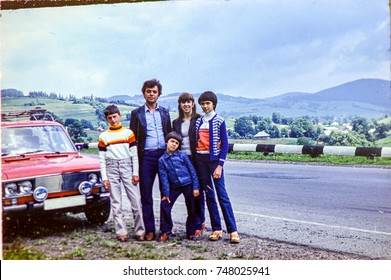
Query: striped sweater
[(117, 143), (217, 134)]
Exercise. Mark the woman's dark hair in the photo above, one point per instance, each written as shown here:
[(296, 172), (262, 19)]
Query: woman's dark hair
[(150, 84), (185, 96), (208, 96)]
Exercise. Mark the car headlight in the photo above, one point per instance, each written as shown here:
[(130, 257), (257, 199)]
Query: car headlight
[(93, 178), (25, 187), (40, 194), (10, 189), (85, 188)]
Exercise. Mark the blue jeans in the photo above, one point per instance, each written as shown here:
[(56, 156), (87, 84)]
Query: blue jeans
[(166, 223), (149, 162), (206, 167)]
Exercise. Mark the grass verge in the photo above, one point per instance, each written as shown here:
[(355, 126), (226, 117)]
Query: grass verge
[(330, 159)]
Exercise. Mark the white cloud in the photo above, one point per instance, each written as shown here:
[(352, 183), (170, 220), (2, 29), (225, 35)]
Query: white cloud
[(238, 47)]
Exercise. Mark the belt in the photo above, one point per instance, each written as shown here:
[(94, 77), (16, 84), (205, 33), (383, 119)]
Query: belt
[(157, 151), (119, 160)]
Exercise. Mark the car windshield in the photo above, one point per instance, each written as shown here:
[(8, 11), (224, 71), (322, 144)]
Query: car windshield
[(35, 139)]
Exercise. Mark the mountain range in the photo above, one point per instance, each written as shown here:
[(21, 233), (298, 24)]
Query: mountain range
[(370, 98)]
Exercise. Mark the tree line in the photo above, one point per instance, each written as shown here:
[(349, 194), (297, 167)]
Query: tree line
[(309, 131)]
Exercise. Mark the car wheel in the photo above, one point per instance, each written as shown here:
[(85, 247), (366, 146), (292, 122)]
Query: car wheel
[(98, 215)]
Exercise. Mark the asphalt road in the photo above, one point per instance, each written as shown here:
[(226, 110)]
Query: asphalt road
[(345, 209)]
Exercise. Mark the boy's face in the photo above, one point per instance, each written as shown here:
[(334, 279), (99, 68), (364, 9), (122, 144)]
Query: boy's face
[(114, 119), (206, 106), (172, 145)]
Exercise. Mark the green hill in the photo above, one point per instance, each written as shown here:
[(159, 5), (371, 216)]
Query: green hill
[(67, 109), (385, 120), (62, 109)]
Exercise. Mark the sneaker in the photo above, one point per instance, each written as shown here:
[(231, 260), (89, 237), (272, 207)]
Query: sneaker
[(150, 236), (192, 237), (163, 237), (199, 232)]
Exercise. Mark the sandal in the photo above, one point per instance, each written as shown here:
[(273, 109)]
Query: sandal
[(234, 237), (216, 235)]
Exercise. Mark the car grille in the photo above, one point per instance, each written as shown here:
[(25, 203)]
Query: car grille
[(51, 183), (65, 182), (73, 180)]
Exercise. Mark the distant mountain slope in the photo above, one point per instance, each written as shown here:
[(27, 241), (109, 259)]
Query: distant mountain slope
[(376, 92), (364, 97)]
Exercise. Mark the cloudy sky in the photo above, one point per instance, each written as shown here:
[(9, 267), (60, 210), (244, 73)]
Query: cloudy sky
[(239, 47)]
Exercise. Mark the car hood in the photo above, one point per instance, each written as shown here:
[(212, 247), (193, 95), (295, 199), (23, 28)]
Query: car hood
[(46, 164)]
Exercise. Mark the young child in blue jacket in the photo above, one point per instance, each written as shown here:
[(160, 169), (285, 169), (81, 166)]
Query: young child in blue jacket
[(178, 176)]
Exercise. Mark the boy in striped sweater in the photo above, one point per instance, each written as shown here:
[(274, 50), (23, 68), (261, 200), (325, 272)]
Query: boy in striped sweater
[(119, 165)]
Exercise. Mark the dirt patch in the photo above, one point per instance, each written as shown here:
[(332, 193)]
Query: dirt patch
[(71, 237)]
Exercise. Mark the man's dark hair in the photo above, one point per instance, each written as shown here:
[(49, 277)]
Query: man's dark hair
[(150, 84), (110, 110), (208, 96)]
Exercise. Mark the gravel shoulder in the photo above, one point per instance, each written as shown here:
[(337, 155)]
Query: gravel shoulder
[(71, 237)]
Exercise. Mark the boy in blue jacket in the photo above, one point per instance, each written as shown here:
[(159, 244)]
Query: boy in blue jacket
[(178, 176)]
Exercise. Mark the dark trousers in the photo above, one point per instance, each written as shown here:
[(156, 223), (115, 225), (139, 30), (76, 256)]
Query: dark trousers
[(148, 170), (199, 218), (199, 205), (166, 223)]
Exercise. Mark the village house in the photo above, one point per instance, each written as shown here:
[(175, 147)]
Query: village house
[(262, 135)]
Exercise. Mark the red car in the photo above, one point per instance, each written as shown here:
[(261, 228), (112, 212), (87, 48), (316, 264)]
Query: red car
[(43, 172)]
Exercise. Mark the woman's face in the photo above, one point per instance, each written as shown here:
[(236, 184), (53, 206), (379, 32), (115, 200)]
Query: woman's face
[(187, 106)]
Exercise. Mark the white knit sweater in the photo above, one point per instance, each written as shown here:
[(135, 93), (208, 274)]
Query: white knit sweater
[(117, 143)]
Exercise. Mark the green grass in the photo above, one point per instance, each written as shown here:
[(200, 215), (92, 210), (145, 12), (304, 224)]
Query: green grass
[(17, 251), (258, 156), (198, 248), (385, 142), (63, 109), (337, 160), (273, 141), (385, 120), (94, 135)]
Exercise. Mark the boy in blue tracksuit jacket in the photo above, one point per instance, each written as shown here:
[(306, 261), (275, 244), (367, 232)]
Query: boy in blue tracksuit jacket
[(178, 176)]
